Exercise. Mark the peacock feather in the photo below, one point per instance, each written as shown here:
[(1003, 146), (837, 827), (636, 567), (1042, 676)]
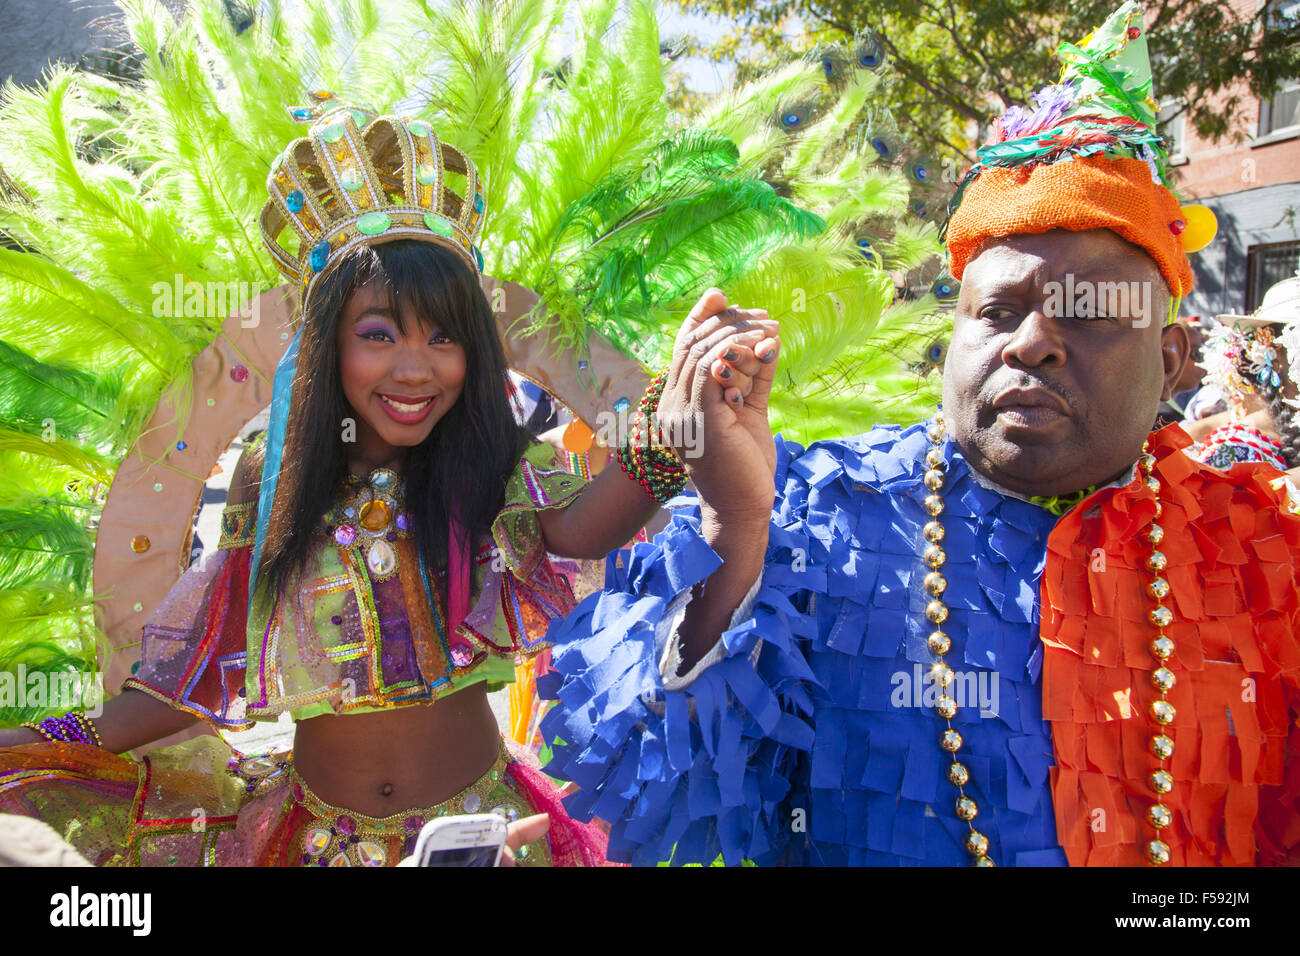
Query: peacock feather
[(616, 210)]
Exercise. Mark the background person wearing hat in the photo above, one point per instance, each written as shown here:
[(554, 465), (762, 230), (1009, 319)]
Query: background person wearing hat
[(1248, 358)]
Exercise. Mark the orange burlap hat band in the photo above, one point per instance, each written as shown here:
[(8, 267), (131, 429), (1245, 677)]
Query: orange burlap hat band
[(1090, 192)]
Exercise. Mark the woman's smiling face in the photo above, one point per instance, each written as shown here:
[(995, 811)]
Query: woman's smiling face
[(400, 379)]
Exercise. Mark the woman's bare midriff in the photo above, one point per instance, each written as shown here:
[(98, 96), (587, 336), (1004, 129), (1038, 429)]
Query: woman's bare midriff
[(386, 762)]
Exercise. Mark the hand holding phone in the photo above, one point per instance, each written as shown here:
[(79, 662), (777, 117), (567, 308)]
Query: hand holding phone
[(469, 840), (472, 840)]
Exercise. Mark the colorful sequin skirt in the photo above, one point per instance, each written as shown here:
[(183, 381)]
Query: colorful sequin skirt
[(201, 804)]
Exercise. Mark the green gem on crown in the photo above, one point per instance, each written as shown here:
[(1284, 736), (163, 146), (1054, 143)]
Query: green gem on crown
[(332, 133), (373, 223), (426, 174), (439, 225), (418, 128)]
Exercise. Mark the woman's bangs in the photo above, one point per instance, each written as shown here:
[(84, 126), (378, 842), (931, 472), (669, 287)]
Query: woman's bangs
[(437, 286)]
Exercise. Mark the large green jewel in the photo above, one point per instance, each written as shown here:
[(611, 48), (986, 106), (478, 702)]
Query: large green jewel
[(332, 133), (426, 174), (373, 223), (438, 225)]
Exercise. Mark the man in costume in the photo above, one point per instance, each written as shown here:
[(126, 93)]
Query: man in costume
[(1021, 632)]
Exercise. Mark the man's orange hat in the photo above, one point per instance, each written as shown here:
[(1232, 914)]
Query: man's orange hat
[(1087, 156)]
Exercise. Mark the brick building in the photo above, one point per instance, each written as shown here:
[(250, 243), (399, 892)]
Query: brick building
[(1253, 186), (36, 33)]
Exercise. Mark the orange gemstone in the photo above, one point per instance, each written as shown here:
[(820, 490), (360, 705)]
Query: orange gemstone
[(577, 437), (375, 515), (139, 544)]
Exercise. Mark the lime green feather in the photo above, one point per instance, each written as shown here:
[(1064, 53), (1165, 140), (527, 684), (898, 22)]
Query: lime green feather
[(617, 211)]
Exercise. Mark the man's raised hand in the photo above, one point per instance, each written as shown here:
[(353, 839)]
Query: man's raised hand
[(717, 390)]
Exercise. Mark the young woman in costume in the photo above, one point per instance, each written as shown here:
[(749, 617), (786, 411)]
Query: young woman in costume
[(383, 555)]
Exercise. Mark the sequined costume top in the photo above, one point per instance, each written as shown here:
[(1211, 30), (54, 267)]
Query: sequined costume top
[(1236, 441), (807, 736), (355, 636)]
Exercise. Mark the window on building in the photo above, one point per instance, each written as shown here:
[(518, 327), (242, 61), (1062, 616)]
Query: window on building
[(1267, 265), (1171, 123), (1282, 110)]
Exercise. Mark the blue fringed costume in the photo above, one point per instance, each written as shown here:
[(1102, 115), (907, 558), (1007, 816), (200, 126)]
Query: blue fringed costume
[(832, 755)]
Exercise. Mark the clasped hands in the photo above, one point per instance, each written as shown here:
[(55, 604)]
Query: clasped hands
[(716, 391)]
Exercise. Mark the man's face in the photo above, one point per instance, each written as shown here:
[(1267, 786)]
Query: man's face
[(1055, 369)]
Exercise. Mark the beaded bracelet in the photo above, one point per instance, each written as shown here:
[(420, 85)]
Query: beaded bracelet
[(654, 467), (75, 728)]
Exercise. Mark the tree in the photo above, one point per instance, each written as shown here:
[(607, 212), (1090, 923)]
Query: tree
[(959, 63)]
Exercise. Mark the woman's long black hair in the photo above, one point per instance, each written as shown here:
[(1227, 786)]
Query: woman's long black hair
[(463, 465)]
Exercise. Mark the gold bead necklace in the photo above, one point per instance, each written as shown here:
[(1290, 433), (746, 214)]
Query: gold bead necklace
[(1162, 678), (936, 612), (939, 644)]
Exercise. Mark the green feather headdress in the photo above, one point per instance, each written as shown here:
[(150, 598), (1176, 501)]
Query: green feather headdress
[(617, 212)]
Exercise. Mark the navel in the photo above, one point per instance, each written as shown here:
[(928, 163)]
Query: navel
[(386, 790)]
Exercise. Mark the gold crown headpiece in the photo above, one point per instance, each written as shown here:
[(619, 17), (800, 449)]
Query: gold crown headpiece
[(357, 179)]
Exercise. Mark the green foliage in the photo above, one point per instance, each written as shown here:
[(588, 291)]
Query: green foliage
[(960, 64)]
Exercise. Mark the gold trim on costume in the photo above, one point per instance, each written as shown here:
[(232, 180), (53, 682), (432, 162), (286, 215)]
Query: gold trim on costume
[(238, 526), (343, 837)]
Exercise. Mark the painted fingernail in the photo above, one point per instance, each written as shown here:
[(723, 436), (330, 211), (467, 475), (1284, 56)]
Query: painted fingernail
[(726, 372), (729, 355)]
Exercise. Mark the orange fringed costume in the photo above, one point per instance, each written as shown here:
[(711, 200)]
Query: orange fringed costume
[(1232, 549)]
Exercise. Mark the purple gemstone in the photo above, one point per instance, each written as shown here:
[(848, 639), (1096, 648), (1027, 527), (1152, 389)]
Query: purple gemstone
[(336, 619), (413, 823), (391, 536), (403, 521), (346, 825), (251, 787), (305, 859), (322, 862), (345, 534), (461, 653)]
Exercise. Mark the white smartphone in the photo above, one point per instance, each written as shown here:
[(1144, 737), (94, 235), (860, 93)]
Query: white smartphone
[(468, 840)]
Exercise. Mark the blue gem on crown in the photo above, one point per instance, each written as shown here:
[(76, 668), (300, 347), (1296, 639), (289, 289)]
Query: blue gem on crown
[(320, 254)]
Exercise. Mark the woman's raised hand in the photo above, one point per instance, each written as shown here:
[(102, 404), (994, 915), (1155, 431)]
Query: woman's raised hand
[(713, 412)]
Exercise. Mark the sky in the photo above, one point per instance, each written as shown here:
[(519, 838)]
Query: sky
[(703, 75)]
